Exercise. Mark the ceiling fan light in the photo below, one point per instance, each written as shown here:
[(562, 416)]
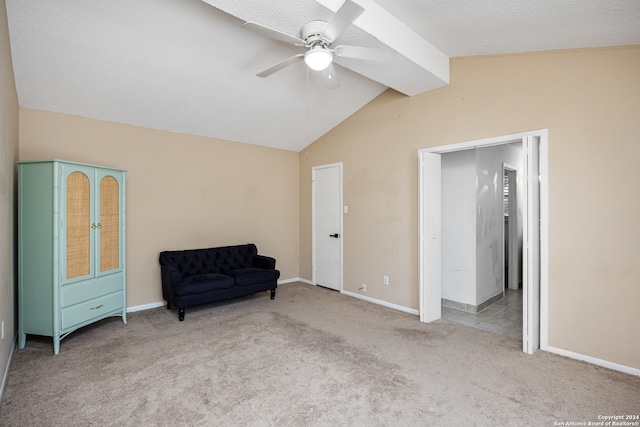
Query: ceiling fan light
[(318, 58)]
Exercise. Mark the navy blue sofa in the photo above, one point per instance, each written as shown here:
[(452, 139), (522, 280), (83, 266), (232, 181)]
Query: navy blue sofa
[(199, 276)]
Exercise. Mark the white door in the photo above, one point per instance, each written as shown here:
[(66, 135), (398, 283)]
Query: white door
[(531, 247), (430, 233), (327, 226)]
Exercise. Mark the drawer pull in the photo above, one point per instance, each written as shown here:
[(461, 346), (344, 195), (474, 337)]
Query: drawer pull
[(94, 308)]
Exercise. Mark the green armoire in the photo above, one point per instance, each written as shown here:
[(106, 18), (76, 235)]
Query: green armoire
[(71, 247)]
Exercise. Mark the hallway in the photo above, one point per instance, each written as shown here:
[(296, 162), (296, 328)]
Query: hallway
[(502, 317)]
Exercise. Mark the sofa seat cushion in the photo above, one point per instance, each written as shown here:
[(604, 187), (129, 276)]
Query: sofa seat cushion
[(251, 276), (200, 283)]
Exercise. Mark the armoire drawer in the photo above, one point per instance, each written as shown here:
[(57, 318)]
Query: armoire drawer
[(83, 312), (89, 289)]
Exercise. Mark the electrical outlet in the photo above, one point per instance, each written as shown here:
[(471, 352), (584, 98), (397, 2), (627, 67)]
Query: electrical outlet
[(385, 280), (363, 288)]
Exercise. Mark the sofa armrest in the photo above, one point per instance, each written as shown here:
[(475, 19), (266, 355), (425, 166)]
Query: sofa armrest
[(170, 276), (266, 262)]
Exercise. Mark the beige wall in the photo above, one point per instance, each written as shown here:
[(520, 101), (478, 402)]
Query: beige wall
[(590, 102), (8, 227), (186, 191), (182, 191)]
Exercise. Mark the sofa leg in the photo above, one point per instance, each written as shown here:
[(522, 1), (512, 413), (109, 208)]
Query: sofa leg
[(168, 305), (181, 313), (273, 293)]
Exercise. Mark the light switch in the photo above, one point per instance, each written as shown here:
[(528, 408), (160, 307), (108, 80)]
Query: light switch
[(346, 209)]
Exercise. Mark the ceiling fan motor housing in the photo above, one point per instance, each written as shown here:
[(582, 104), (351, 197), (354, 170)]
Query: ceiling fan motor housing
[(311, 33), (319, 56)]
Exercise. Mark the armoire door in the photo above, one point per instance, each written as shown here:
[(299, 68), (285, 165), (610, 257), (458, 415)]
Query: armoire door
[(108, 222), (92, 235), (77, 211)]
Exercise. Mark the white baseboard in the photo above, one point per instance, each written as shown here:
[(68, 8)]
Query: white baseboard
[(594, 361), (145, 306), (6, 369), (362, 297), (383, 303), (294, 280)]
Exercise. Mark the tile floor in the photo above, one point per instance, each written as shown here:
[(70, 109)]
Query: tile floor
[(502, 317)]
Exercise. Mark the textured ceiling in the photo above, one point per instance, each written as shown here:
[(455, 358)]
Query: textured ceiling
[(188, 65)]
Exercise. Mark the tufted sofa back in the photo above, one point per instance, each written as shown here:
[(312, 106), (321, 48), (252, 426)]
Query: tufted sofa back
[(213, 260)]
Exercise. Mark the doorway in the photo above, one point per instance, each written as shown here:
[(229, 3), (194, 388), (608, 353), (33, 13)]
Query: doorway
[(327, 226), (535, 232)]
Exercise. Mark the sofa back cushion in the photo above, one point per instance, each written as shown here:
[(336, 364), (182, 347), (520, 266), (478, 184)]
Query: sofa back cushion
[(212, 260)]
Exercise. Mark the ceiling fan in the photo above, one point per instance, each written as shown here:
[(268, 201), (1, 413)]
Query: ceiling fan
[(317, 37)]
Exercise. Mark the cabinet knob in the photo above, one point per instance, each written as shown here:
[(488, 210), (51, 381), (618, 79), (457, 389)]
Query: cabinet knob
[(93, 225)]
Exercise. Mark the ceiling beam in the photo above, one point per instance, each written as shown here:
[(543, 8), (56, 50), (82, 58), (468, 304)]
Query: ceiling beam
[(388, 29)]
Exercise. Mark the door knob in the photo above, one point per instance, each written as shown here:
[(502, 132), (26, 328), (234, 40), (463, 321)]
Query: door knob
[(334, 235)]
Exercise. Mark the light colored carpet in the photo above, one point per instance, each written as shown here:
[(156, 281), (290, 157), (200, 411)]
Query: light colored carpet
[(309, 357)]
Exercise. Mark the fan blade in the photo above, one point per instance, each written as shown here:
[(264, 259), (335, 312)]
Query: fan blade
[(329, 77), (280, 65), (366, 53), (273, 34), (348, 12)]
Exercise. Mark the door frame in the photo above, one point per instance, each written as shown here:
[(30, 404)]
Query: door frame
[(543, 137), (512, 255), (313, 222)]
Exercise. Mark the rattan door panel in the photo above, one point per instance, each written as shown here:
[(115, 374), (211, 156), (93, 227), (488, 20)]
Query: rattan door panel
[(78, 224), (109, 223)]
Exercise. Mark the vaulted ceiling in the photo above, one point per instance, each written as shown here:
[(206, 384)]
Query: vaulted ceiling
[(189, 66)]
